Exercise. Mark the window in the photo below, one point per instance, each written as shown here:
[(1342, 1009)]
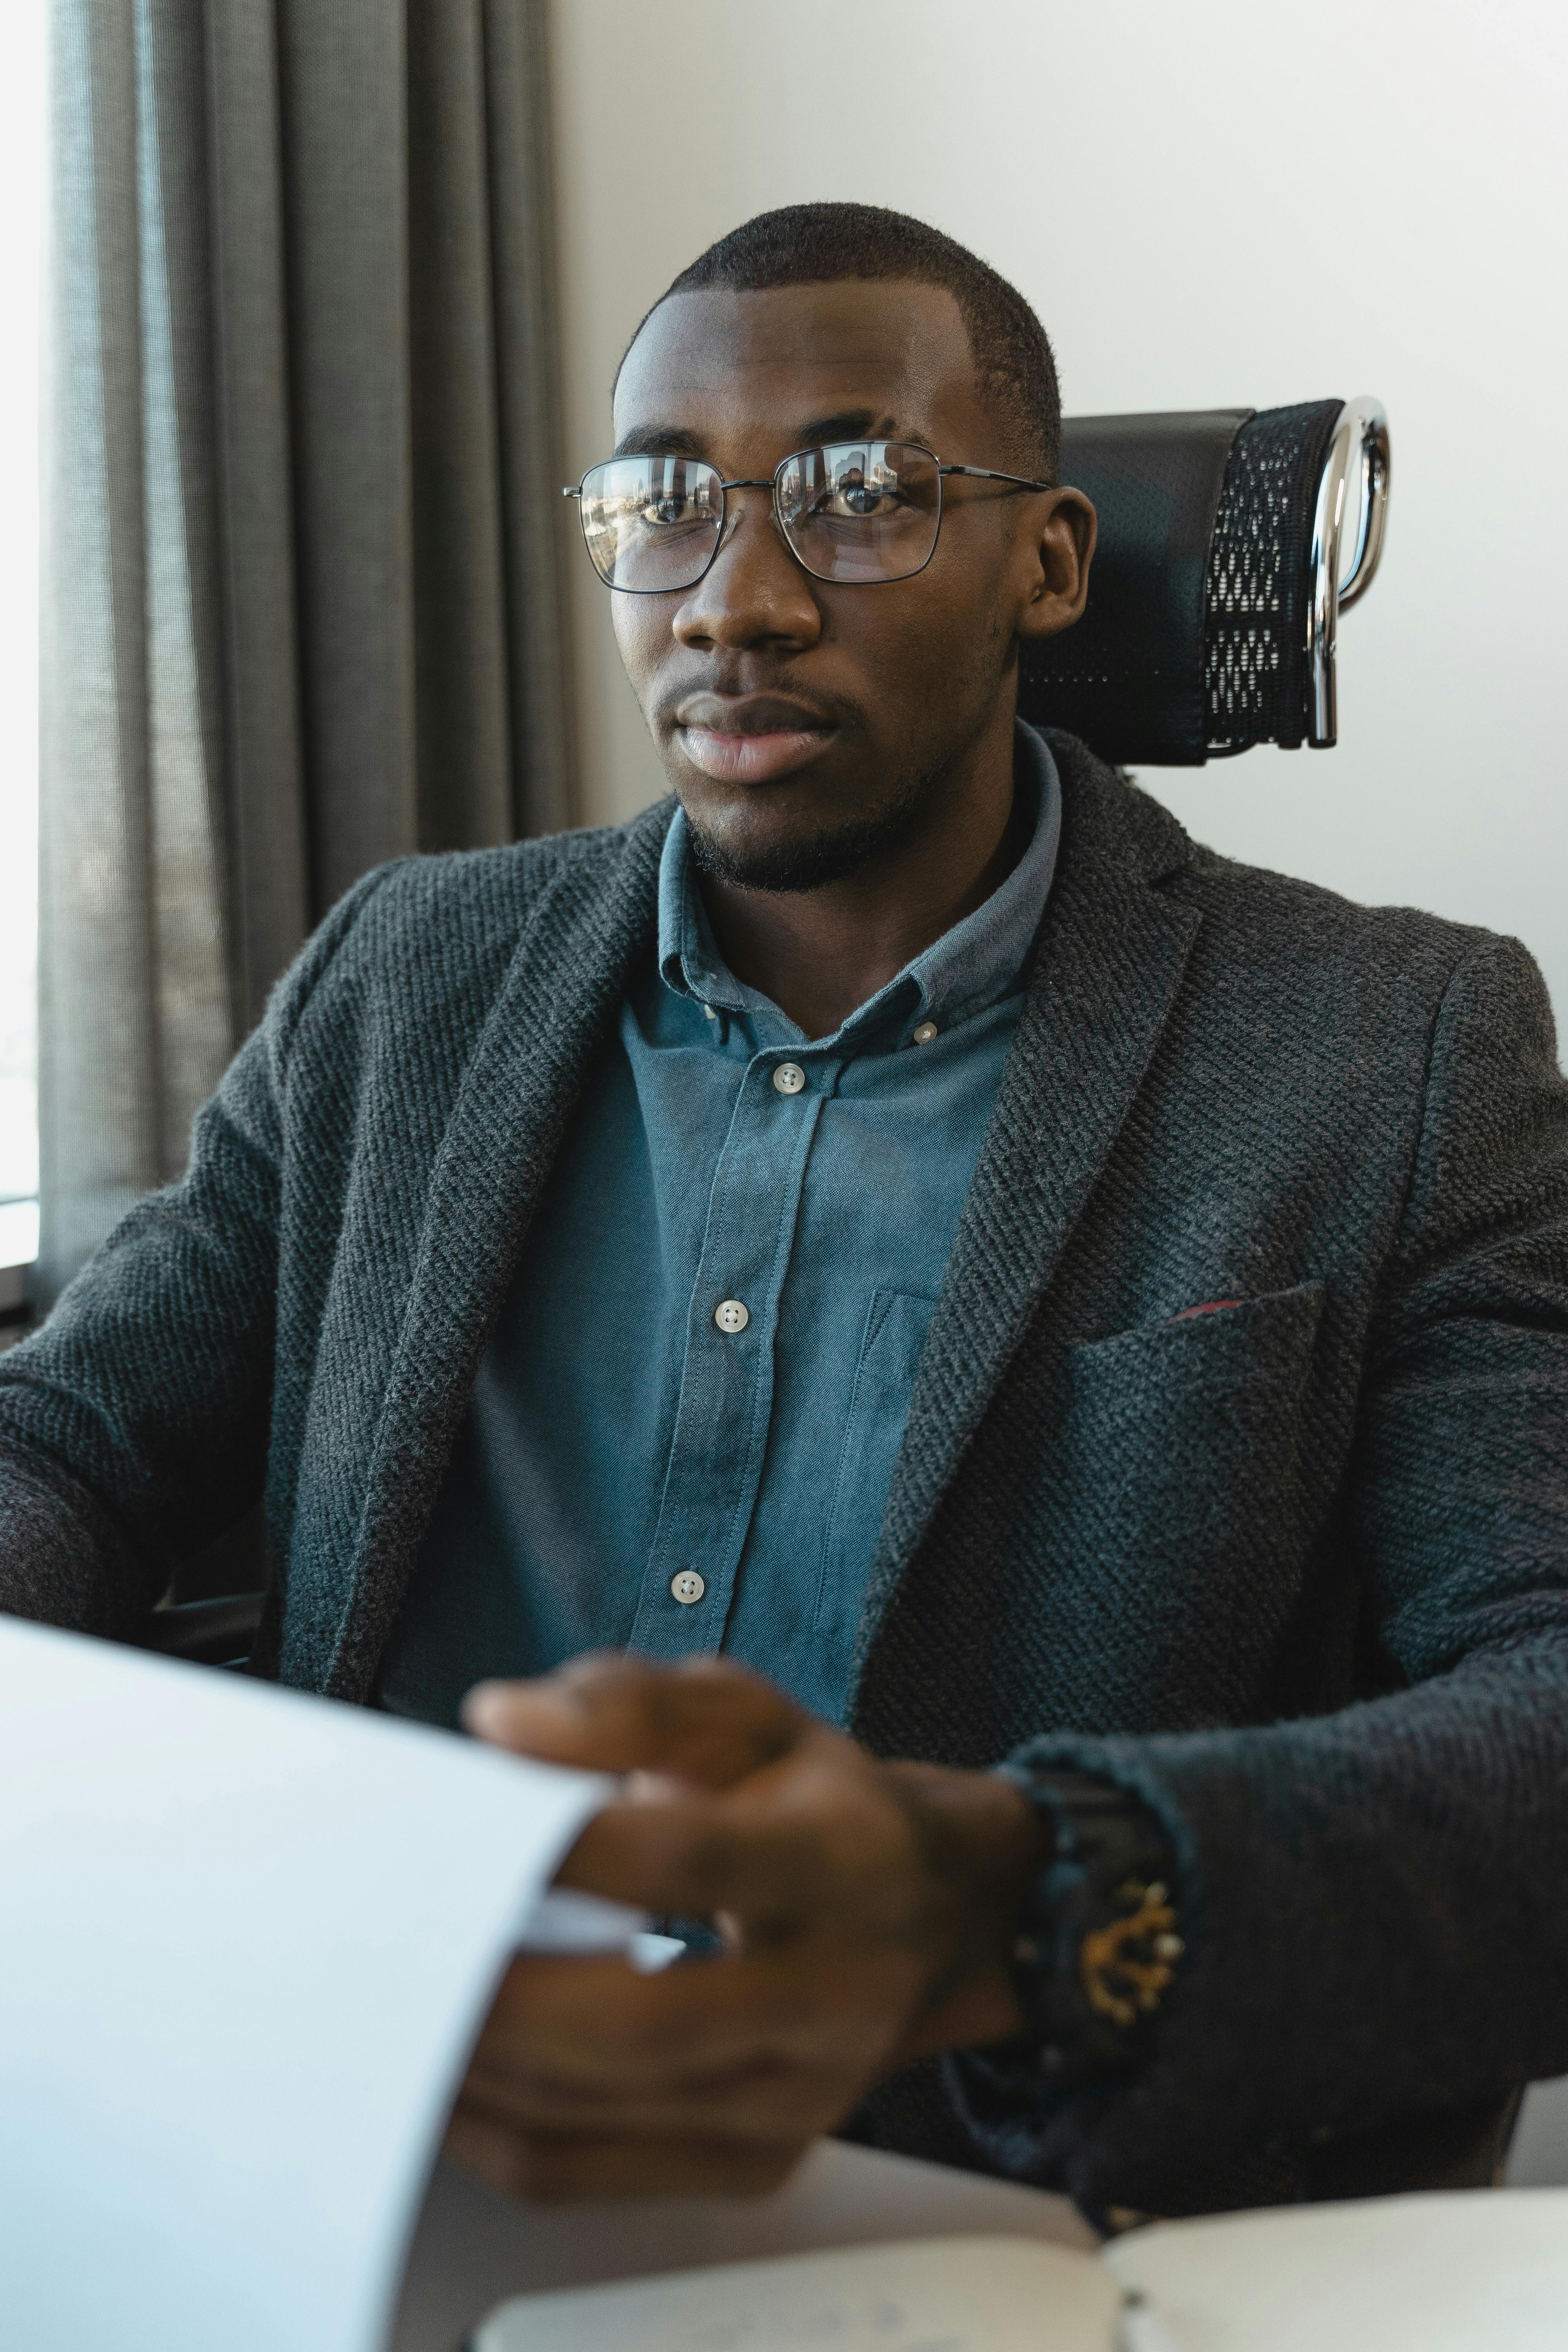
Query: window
[(22, 112)]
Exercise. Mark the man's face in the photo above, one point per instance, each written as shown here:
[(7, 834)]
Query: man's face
[(806, 725)]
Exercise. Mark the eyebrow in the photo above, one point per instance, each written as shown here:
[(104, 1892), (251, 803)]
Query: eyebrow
[(658, 441), (845, 425), (851, 425)]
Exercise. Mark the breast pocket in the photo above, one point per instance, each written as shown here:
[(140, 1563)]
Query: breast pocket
[(1189, 1529), (895, 1333)]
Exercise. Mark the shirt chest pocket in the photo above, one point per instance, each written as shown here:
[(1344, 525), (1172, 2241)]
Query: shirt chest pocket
[(895, 1333), (1189, 1515)]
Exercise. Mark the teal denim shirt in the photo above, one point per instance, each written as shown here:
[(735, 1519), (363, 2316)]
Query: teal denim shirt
[(632, 1472)]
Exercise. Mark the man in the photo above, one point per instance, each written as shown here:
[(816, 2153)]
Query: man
[(1079, 1317)]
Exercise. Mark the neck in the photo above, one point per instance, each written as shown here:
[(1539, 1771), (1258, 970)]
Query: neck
[(820, 954)]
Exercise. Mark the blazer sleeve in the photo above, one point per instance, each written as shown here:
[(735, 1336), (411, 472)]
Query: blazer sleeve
[(134, 1425), (1375, 1901)]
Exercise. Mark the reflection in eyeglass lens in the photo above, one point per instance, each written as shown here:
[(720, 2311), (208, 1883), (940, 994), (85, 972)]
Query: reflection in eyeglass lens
[(651, 522), (861, 511), (855, 511)]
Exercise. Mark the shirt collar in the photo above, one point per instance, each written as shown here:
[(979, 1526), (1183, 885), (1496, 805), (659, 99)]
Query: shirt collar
[(972, 966)]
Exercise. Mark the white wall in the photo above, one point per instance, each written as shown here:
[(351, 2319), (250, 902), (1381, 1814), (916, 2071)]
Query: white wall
[(1217, 202)]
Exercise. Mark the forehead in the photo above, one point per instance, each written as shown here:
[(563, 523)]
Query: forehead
[(718, 365)]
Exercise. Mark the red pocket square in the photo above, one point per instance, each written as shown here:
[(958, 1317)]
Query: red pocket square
[(1209, 1307)]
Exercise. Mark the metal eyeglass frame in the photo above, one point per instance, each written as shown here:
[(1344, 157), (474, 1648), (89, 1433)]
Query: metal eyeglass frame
[(742, 482)]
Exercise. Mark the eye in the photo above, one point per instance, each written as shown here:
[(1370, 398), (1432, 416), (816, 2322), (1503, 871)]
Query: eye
[(669, 508), (858, 496)]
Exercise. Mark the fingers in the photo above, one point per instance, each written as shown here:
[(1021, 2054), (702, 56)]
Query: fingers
[(575, 2169), (763, 2106), (823, 1835), (867, 1908), (591, 2081), (598, 2024), (693, 1856), (561, 2168), (706, 1720), (595, 2028)]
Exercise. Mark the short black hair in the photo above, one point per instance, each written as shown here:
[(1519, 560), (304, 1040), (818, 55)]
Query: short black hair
[(816, 244)]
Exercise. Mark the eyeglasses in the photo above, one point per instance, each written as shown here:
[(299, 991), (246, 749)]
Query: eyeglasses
[(856, 511)]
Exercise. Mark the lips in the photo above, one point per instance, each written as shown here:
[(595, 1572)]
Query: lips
[(750, 739), (751, 759)]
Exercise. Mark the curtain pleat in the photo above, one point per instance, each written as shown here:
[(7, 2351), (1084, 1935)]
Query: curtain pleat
[(530, 437), (302, 611), (246, 296)]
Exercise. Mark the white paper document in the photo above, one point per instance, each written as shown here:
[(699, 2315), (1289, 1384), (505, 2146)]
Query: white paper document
[(950, 2294), (473, 2248), (245, 1940), (1476, 2271)]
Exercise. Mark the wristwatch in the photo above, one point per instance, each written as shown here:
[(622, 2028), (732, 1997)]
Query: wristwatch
[(1098, 1946)]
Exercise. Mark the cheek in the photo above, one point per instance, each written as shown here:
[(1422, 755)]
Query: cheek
[(921, 639), (642, 635), (889, 635)]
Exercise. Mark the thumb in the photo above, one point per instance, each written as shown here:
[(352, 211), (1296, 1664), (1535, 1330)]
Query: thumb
[(706, 1721)]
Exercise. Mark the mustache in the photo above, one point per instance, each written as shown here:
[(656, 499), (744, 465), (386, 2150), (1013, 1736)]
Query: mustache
[(737, 700)]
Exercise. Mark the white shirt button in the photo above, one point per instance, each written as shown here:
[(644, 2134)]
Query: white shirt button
[(708, 1013), (731, 1315), (688, 1586), (924, 1032), (789, 1078)]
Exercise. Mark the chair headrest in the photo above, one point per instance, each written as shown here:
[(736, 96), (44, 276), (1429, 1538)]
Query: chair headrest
[(1213, 600)]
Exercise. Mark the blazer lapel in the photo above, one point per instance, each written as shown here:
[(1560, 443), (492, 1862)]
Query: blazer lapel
[(552, 1014), (1111, 957)]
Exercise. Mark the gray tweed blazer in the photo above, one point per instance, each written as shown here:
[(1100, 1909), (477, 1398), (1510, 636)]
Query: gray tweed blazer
[(1296, 1569)]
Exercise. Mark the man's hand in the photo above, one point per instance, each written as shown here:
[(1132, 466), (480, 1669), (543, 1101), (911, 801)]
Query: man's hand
[(867, 1912)]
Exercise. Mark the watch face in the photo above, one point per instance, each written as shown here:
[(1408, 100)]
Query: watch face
[(1099, 1945), (1127, 1964)]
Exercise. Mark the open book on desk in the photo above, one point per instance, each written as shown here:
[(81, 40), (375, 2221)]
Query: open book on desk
[(1476, 2271)]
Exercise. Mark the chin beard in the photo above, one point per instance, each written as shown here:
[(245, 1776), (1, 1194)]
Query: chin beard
[(830, 855)]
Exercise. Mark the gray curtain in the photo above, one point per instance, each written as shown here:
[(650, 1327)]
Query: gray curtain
[(300, 606)]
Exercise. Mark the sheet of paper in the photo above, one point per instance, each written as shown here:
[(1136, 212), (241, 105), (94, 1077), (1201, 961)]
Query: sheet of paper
[(245, 1939), (958, 2294), (473, 2249), (1477, 2271)]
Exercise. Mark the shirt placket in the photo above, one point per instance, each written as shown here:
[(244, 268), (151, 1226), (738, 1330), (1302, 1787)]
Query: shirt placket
[(727, 1378)]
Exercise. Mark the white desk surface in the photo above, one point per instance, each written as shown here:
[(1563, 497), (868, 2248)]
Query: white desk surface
[(473, 2248)]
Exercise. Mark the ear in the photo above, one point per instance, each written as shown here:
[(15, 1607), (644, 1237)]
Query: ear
[(1061, 551)]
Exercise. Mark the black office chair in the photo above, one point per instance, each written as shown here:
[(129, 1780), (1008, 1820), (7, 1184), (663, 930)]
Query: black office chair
[(1210, 627), (213, 1609), (1216, 586)]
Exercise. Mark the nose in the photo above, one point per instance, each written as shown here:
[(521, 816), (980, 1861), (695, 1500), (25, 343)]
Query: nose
[(753, 592)]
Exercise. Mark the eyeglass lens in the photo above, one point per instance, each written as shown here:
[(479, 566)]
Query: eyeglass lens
[(854, 511)]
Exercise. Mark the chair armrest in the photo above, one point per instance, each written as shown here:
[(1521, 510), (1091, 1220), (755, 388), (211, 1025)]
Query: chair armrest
[(208, 1633)]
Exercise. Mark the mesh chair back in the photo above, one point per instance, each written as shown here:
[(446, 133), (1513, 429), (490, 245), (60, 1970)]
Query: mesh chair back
[(1195, 640)]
